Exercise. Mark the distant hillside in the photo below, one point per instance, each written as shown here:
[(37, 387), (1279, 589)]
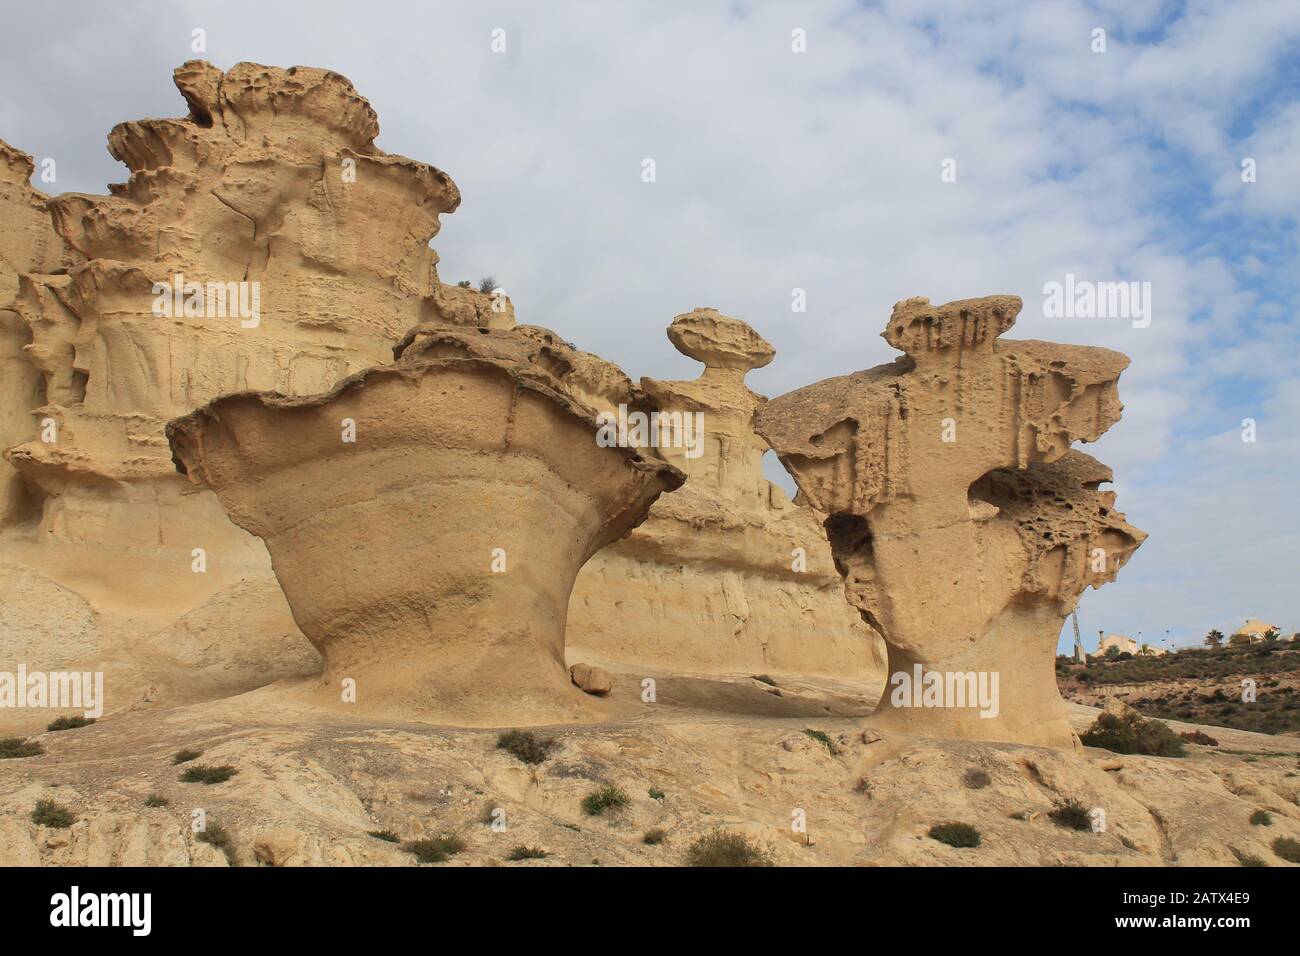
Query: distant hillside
[(1197, 685)]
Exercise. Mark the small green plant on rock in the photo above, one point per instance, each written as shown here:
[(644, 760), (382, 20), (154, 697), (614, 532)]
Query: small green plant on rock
[(1070, 814), (47, 813), (14, 747), (525, 745), (606, 798), (202, 773), (721, 848), (527, 853), (961, 835), (70, 723), (438, 849)]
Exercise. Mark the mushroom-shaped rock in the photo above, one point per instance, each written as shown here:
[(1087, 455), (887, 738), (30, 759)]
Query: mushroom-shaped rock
[(727, 573), (963, 524), (426, 519)]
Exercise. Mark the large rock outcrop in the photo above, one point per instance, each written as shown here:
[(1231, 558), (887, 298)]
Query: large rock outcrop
[(726, 575), (427, 519), (262, 242), (964, 525)]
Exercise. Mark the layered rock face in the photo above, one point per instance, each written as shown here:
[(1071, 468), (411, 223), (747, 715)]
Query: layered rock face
[(964, 525), (28, 243), (726, 575), (427, 519), (261, 242)]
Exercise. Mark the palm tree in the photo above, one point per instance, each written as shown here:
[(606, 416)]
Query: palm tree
[(1145, 650), (1271, 635), (1213, 639)]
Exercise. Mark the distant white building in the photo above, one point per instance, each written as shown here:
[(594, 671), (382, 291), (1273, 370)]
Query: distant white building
[(1122, 642), (1252, 632)]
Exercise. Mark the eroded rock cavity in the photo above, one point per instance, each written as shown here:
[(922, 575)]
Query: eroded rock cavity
[(964, 525)]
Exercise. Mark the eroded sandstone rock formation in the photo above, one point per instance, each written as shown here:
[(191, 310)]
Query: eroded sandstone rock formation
[(261, 242), (427, 519), (964, 525), (726, 575)]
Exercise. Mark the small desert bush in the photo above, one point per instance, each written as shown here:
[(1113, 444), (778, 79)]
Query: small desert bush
[(527, 853), (1199, 737), (11, 747), (821, 737), (1249, 859), (439, 849), (1261, 818), (70, 723), (1287, 848), (721, 848), (463, 283), (654, 837), (955, 834), (1134, 734), (214, 834), (1070, 814), (388, 836), (203, 773), (186, 755), (606, 798), (976, 779), (156, 800), (47, 813), (656, 794), (487, 283), (525, 745)]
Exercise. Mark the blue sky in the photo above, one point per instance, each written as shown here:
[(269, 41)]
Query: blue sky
[(821, 170)]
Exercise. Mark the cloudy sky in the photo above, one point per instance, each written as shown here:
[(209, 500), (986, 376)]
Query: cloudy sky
[(822, 170)]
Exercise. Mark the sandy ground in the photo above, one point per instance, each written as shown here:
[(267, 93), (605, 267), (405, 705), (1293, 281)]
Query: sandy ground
[(726, 753)]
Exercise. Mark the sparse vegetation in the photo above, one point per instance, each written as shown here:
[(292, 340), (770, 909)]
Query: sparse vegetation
[(525, 745), (1199, 737), (1134, 734), (1070, 814), (721, 848), (656, 794), (605, 798), (1261, 818), (156, 800), (438, 849), (13, 747), (388, 836), (527, 853), (203, 773), (186, 755), (70, 723), (464, 283), (487, 283), (1249, 859), (47, 813), (961, 835), (1287, 848), (654, 837), (976, 779), (821, 738)]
